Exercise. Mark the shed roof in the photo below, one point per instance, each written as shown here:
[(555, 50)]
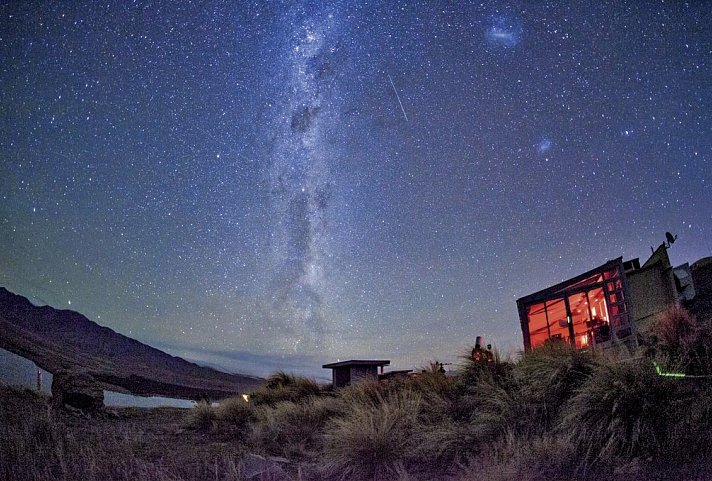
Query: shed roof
[(358, 362)]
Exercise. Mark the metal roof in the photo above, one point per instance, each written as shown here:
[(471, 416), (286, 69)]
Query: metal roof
[(357, 362)]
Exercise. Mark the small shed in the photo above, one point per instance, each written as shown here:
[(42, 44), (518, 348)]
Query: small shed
[(347, 372)]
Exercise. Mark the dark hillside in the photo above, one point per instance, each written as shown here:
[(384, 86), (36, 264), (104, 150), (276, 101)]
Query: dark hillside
[(58, 340)]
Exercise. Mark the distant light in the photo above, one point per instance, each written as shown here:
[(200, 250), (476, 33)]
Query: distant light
[(246, 397)]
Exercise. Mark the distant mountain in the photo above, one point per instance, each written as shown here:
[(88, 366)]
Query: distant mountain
[(58, 340)]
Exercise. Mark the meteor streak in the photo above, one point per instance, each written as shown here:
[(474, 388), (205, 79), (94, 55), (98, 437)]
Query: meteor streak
[(398, 97)]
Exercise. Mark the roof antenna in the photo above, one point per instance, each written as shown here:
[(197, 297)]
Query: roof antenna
[(670, 240)]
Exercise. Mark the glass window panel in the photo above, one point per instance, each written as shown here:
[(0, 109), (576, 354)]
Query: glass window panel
[(598, 325), (579, 318), (538, 329), (558, 321)]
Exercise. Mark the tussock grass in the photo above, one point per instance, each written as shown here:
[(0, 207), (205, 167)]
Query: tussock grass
[(202, 416), (554, 414), (294, 430), (369, 392), (282, 386), (235, 412), (546, 378), (546, 458), (372, 441), (470, 371), (39, 443), (690, 435), (622, 410), (683, 342)]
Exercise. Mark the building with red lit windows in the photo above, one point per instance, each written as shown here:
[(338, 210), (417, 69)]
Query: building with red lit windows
[(606, 305)]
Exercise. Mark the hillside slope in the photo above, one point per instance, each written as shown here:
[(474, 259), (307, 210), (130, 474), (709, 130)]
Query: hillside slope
[(58, 340)]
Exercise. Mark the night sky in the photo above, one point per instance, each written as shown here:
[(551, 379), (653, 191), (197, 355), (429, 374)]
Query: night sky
[(277, 185)]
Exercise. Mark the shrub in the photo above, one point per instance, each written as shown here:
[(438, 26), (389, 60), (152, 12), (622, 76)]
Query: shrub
[(547, 377), (369, 393), (281, 386), (683, 342), (235, 412), (202, 416), (620, 411), (290, 429), (372, 441)]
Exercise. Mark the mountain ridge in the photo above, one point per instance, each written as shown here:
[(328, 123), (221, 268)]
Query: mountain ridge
[(62, 339)]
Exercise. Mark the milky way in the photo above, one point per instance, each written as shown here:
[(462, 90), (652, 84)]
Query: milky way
[(301, 186), (300, 181)]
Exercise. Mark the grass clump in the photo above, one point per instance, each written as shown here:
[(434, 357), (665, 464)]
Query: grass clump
[(294, 430), (537, 458), (621, 411), (235, 412), (282, 386), (547, 377), (372, 441), (201, 417), (683, 342), (39, 442)]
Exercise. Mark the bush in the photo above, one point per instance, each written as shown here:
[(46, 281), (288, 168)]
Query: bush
[(202, 416), (547, 377), (372, 441), (683, 342), (285, 387), (622, 410), (235, 412), (294, 430), (470, 371)]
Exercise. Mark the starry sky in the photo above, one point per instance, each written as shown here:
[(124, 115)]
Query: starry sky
[(277, 185)]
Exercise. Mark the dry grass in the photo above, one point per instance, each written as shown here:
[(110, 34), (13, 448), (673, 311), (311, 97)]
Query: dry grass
[(546, 378), (294, 430), (38, 443), (683, 342), (202, 417), (537, 458), (285, 387), (674, 325), (372, 441), (555, 414), (621, 411), (235, 412)]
